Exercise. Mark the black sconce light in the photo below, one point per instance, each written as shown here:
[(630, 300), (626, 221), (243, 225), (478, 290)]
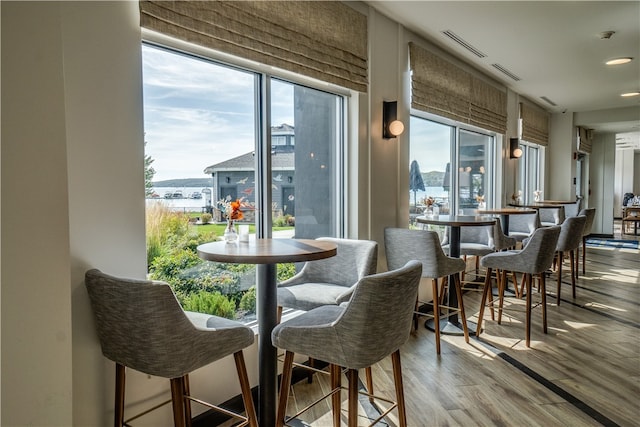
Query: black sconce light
[(290, 179), (228, 179), (515, 152), (391, 126)]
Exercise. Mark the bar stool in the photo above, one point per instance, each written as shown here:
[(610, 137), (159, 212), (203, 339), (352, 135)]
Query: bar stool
[(590, 213), (402, 245), (571, 232), (141, 326), (534, 259), (373, 325)]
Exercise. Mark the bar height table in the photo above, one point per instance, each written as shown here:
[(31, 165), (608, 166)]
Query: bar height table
[(450, 325), (266, 253)]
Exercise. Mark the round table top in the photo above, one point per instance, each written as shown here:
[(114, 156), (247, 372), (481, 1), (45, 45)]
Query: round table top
[(506, 211), (456, 220), (538, 205), (267, 251), (557, 202)]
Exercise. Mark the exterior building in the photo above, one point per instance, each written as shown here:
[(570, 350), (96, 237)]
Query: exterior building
[(235, 178)]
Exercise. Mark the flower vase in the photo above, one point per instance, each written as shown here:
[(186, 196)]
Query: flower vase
[(230, 233)]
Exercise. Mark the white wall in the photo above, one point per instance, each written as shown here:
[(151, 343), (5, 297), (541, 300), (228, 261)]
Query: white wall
[(36, 292), (561, 166)]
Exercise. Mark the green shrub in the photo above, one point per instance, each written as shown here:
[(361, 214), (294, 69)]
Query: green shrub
[(205, 218), (213, 303), (286, 271), (248, 301)]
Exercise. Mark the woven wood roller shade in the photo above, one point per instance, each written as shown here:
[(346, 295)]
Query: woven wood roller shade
[(584, 140), (444, 89), (324, 40), (535, 124)]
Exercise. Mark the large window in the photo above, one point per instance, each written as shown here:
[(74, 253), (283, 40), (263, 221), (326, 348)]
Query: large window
[(530, 172), (208, 138), (436, 151)]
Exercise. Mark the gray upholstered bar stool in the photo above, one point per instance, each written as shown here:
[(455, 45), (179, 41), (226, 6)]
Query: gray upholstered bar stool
[(374, 325), (523, 226), (141, 326), (550, 216), (329, 281), (569, 241), (402, 245), (534, 259), (590, 213), (475, 241)]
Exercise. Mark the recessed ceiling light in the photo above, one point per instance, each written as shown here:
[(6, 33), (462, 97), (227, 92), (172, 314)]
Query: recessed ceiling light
[(630, 94), (619, 61)]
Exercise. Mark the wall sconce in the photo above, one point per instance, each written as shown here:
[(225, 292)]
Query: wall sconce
[(515, 152), (228, 179), (391, 126), (290, 179)]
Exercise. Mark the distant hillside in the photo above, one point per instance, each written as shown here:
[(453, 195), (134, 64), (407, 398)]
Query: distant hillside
[(432, 178), (184, 182)]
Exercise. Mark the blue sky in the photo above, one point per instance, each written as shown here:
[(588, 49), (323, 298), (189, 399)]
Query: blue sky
[(197, 113)]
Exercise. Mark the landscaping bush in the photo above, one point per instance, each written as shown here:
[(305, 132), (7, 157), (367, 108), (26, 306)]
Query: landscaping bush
[(213, 303), (248, 301)]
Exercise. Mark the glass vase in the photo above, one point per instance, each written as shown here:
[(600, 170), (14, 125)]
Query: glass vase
[(230, 233)]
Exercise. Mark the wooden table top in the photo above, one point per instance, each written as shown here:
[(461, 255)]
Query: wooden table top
[(456, 220), (506, 211), (538, 205), (267, 251)]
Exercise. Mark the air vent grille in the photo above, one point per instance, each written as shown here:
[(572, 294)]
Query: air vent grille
[(548, 101), (454, 37), (506, 72)]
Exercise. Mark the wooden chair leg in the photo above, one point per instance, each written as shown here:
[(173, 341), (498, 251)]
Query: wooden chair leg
[(573, 270), (336, 401), (527, 321), (502, 281), (543, 288), (285, 384), (311, 362), (560, 255), (245, 388), (279, 314), (584, 254), (369, 380), (463, 317), (187, 402), (486, 290), (397, 377), (436, 312), (352, 375), (177, 400), (119, 397)]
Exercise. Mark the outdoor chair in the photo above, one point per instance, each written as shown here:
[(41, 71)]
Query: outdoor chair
[(141, 326), (373, 325), (403, 245), (533, 259)]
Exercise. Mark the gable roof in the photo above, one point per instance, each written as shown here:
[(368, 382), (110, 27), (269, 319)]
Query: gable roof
[(279, 161)]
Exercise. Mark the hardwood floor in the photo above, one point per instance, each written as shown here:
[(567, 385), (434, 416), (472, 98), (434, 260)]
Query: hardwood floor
[(584, 372)]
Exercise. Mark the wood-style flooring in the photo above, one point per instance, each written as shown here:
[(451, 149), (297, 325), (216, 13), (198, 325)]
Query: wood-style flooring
[(584, 372)]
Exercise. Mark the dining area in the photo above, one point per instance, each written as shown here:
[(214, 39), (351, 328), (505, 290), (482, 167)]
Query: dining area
[(517, 353)]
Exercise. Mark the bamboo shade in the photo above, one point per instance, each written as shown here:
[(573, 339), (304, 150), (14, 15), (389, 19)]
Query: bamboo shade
[(584, 140), (320, 39), (535, 124), (444, 89)]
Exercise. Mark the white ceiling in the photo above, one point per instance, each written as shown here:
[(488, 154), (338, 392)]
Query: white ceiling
[(554, 47)]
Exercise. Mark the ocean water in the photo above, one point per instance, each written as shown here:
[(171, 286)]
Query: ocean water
[(186, 204)]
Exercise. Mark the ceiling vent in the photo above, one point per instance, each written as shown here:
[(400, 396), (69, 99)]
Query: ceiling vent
[(455, 38), (548, 101), (506, 72)]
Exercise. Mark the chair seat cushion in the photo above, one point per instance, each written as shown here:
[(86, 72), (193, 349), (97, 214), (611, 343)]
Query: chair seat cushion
[(474, 249), (308, 296), (294, 334)]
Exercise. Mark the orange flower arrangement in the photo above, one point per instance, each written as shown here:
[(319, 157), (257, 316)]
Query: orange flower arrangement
[(232, 208)]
